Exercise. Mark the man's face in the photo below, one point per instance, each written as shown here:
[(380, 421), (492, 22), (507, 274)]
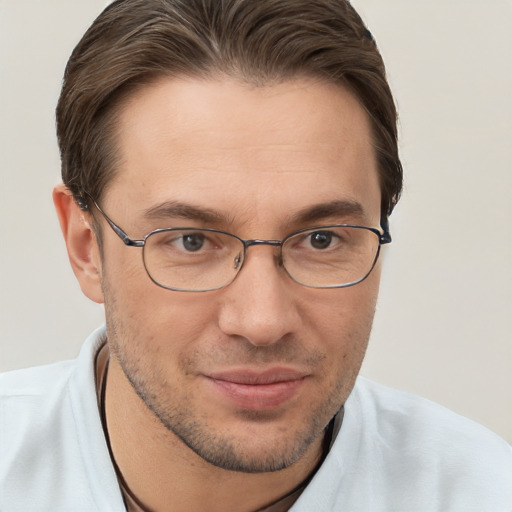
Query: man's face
[(247, 376)]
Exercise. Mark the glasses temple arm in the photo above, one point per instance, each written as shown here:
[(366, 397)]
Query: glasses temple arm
[(117, 230), (385, 237)]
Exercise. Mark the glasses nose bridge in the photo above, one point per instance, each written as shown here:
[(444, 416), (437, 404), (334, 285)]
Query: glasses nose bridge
[(273, 243)]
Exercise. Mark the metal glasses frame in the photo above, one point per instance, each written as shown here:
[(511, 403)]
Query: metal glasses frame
[(384, 238)]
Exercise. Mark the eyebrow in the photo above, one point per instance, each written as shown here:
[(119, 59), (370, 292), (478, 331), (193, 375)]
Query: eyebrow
[(176, 209), (337, 208), (315, 213)]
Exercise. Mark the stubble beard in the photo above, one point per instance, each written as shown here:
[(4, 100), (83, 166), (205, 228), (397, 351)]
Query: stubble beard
[(222, 449)]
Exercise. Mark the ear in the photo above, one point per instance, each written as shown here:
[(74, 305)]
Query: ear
[(81, 243)]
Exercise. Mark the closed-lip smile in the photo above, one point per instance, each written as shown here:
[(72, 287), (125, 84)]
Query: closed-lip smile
[(253, 389)]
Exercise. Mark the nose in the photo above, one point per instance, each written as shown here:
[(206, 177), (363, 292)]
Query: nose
[(261, 304)]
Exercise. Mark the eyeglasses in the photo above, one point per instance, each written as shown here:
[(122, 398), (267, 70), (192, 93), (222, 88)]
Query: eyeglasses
[(205, 259)]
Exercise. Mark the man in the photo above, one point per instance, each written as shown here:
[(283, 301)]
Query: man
[(229, 168)]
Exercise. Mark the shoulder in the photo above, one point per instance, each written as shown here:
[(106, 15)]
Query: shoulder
[(420, 448), (53, 454), (36, 381), (398, 452), (404, 417), (34, 405), (38, 433), (38, 394), (28, 397)]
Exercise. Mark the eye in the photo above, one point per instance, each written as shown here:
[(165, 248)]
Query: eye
[(321, 239), (193, 242)]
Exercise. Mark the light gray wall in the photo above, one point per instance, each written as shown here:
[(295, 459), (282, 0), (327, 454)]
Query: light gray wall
[(442, 325)]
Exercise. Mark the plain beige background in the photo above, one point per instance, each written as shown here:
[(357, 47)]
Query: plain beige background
[(442, 325)]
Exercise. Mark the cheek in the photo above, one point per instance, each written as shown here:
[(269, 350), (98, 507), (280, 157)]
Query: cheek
[(341, 322), (342, 314), (152, 323)]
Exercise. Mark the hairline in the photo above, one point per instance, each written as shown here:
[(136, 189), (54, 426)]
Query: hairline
[(128, 92)]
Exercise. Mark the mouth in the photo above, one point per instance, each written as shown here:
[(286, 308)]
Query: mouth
[(258, 390)]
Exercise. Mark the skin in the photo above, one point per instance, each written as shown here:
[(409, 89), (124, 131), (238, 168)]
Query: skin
[(257, 158)]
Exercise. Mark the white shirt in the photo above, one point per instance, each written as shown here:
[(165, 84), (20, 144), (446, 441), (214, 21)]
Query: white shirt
[(395, 451)]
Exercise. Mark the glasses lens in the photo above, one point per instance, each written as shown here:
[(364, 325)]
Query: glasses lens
[(331, 256), (192, 259), (206, 259)]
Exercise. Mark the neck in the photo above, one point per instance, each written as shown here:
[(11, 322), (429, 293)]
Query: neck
[(164, 474)]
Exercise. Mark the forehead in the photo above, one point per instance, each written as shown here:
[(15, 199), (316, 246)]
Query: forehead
[(260, 151)]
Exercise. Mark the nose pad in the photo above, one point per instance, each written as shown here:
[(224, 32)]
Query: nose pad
[(237, 261), (279, 256), (278, 252)]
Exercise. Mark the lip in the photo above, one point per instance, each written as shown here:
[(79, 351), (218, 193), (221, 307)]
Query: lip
[(258, 390)]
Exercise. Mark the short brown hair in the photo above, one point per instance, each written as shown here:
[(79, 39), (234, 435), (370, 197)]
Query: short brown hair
[(259, 41)]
